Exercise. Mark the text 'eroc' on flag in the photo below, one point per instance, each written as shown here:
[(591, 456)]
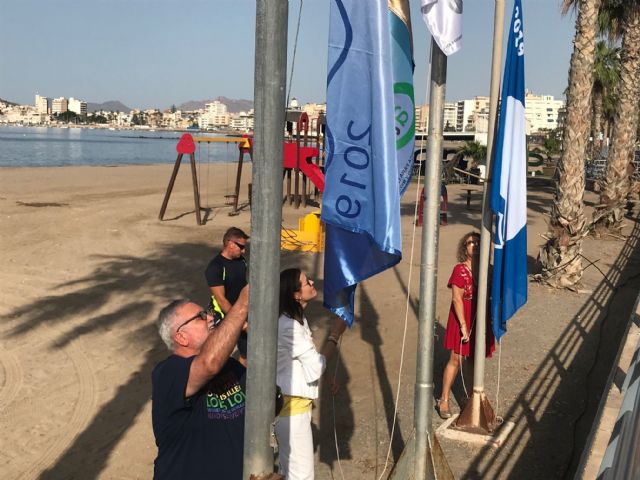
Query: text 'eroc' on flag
[(370, 137)]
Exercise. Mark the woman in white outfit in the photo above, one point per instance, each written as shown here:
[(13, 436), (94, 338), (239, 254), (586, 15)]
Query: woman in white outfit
[(299, 369)]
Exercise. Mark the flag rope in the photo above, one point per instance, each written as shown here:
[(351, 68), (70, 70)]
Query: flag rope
[(498, 386), (406, 322), (333, 406)]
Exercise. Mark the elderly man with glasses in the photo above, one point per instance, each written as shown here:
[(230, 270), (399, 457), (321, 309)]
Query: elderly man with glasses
[(198, 393), (226, 275)]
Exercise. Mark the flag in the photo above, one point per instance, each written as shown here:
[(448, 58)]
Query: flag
[(370, 135), (509, 191), (444, 20)]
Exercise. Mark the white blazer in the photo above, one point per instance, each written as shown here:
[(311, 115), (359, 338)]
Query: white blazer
[(299, 364)]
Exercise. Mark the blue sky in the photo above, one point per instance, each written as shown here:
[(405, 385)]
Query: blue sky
[(154, 53)]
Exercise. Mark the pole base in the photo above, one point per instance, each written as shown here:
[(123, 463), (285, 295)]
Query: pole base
[(404, 469), (478, 416)]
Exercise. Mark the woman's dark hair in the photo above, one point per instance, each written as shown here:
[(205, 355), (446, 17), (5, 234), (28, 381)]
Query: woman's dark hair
[(461, 254), (289, 285)]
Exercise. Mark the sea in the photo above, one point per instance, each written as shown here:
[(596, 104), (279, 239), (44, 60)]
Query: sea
[(58, 147)]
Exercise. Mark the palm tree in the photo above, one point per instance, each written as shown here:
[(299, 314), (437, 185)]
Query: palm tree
[(616, 185), (471, 149), (561, 255), (606, 75)]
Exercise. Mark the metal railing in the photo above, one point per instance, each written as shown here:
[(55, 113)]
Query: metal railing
[(621, 459)]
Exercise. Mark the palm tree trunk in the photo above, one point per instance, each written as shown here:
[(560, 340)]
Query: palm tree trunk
[(616, 185), (560, 256), (596, 123)]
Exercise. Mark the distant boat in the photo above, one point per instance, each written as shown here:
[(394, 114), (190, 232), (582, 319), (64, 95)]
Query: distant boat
[(111, 128)]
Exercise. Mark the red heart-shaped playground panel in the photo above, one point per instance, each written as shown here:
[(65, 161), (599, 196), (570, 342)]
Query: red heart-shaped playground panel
[(186, 144)]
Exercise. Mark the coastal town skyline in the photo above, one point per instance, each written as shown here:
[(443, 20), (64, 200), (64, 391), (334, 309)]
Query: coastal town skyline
[(171, 55)]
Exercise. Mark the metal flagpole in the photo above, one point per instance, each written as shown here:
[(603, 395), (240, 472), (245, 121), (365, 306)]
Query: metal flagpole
[(266, 218), (429, 263), (478, 415)]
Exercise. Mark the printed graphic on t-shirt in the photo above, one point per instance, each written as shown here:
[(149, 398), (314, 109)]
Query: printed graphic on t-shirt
[(225, 399)]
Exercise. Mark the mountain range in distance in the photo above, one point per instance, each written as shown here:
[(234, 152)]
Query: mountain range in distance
[(233, 105)]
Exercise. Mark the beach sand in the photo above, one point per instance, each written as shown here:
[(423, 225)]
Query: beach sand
[(87, 265)]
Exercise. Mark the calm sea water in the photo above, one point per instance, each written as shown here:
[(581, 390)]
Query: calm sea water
[(54, 147)]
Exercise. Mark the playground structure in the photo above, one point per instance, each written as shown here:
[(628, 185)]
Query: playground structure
[(299, 164), (299, 157), (302, 161), (187, 146)]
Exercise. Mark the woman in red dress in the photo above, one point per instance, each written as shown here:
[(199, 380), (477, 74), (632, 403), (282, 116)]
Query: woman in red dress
[(460, 334)]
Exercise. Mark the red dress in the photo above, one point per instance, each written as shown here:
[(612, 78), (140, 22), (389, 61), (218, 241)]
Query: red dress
[(461, 277)]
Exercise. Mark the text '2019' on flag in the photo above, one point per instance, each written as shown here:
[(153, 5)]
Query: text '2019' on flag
[(370, 137), (509, 191)]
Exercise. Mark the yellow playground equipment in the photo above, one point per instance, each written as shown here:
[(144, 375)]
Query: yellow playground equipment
[(308, 238)]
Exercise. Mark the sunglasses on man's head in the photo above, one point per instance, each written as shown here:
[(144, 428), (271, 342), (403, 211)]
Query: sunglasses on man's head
[(202, 315), (475, 242)]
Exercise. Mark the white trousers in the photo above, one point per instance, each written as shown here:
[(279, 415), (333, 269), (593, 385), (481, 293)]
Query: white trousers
[(295, 446)]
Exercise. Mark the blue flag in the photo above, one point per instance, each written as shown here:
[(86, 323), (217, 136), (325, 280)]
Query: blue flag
[(370, 135), (509, 190)]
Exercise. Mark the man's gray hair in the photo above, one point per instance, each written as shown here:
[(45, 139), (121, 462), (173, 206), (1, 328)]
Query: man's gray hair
[(166, 320)]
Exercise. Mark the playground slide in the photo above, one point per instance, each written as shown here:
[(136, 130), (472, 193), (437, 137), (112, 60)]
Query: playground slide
[(311, 170)]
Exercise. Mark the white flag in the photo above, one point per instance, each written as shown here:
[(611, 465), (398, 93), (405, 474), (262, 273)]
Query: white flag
[(444, 20)]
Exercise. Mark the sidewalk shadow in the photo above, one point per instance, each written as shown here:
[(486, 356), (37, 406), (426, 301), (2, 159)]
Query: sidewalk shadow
[(559, 406), (159, 277), (370, 331)]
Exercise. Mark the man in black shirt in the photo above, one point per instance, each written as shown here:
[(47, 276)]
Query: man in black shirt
[(226, 276), (198, 398)]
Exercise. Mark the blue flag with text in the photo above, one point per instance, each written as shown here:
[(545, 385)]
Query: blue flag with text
[(370, 136), (509, 187)]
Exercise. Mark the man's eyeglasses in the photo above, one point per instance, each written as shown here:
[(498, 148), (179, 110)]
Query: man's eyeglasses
[(241, 246), (202, 315)]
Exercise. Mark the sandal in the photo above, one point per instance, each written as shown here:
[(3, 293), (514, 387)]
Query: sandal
[(443, 412)]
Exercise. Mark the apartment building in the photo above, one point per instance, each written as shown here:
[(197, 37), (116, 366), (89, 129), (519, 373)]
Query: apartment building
[(451, 116), (422, 118), (42, 105), (242, 121), (542, 111), (59, 105), (215, 114), (77, 106)]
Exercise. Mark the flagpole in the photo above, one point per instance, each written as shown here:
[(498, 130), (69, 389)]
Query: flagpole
[(478, 415), (266, 218), (429, 263)]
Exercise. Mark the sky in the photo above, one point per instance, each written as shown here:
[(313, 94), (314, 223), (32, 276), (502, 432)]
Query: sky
[(155, 53)]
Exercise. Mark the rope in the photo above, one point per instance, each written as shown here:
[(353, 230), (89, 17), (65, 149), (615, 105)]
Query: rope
[(406, 321), (293, 59), (464, 386), (433, 462), (333, 406), (498, 387)]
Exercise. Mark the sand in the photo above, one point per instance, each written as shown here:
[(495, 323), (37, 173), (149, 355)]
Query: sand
[(86, 266)]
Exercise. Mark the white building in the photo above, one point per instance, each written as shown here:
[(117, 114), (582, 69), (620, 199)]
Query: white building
[(214, 115), (422, 118), (77, 106), (242, 121), (541, 111), (59, 105), (450, 115), (42, 104), (464, 115)]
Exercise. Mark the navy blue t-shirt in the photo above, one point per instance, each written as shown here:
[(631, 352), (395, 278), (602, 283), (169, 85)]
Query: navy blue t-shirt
[(200, 437)]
